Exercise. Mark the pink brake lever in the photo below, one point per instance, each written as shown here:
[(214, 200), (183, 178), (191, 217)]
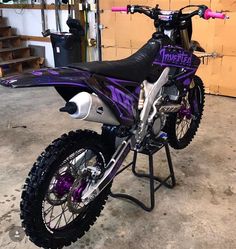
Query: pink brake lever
[(210, 14), (119, 9)]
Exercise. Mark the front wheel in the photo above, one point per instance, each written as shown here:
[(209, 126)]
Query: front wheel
[(182, 126), (52, 211)]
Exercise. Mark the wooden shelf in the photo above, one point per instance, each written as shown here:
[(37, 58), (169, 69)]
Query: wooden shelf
[(33, 6), (9, 37), (20, 60), (4, 27), (7, 54), (5, 31), (14, 56), (35, 38), (6, 50), (19, 65)]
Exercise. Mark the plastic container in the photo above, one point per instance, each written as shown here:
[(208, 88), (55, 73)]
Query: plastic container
[(66, 48)]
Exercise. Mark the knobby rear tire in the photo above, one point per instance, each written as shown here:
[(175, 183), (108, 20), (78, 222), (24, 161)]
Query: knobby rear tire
[(36, 184)]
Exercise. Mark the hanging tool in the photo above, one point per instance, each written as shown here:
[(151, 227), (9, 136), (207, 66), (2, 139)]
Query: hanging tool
[(99, 35), (43, 7), (57, 15)]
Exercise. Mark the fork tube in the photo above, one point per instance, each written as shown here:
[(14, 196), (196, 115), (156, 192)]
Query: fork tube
[(185, 39)]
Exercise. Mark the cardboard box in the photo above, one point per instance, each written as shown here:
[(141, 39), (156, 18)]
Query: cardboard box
[(225, 35), (178, 4), (123, 30), (227, 77), (139, 36), (127, 33), (226, 5), (163, 4), (123, 53), (109, 54), (200, 2), (108, 21), (203, 32), (106, 5)]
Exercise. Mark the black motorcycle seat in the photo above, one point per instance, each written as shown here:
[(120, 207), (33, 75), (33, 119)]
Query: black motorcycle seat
[(134, 68)]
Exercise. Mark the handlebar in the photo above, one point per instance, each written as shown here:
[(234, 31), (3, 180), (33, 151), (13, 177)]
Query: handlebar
[(119, 9), (210, 14), (154, 13)]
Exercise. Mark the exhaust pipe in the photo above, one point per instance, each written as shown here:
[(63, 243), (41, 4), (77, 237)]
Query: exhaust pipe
[(90, 107)]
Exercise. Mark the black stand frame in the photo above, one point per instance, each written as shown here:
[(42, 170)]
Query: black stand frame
[(168, 182)]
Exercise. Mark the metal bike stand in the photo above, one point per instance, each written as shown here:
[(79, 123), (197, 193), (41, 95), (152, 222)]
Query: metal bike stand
[(168, 182)]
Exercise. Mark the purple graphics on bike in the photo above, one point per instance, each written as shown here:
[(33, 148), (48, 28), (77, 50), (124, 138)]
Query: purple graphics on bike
[(177, 57), (120, 95), (48, 77)]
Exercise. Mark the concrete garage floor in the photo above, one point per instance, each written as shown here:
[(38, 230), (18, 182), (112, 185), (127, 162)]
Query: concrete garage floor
[(199, 213)]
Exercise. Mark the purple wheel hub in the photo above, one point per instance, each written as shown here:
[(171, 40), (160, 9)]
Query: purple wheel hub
[(185, 112), (64, 183), (77, 194)]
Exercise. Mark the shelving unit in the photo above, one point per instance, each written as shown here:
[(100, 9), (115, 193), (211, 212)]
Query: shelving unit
[(14, 56)]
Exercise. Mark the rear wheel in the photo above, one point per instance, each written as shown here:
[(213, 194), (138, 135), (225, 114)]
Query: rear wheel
[(182, 126), (52, 211)]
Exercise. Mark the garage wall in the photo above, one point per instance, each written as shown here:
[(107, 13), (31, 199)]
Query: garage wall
[(28, 22), (123, 34)]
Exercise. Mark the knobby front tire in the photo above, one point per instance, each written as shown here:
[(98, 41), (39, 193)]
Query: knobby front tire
[(196, 96)]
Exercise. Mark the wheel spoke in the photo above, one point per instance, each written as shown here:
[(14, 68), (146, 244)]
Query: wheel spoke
[(72, 216), (46, 212), (63, 212), (57, 225), (58, 214), (51, 215)]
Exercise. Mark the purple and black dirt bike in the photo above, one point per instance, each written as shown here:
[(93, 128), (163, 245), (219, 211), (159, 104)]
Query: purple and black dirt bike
[(137, 99)]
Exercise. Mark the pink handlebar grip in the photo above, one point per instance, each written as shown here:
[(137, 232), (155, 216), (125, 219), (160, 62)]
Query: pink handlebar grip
[(210, 14), (119, 9)]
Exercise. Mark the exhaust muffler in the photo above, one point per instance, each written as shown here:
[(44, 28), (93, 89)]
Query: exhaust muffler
[(90, 107)]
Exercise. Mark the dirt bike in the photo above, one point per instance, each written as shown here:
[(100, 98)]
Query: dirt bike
[(137, 99)]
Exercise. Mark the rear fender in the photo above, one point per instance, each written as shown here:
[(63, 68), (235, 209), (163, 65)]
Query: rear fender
[(67, 81)]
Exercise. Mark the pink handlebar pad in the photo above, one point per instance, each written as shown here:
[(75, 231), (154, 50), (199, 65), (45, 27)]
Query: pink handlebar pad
[(119, 9), (210, 14)]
